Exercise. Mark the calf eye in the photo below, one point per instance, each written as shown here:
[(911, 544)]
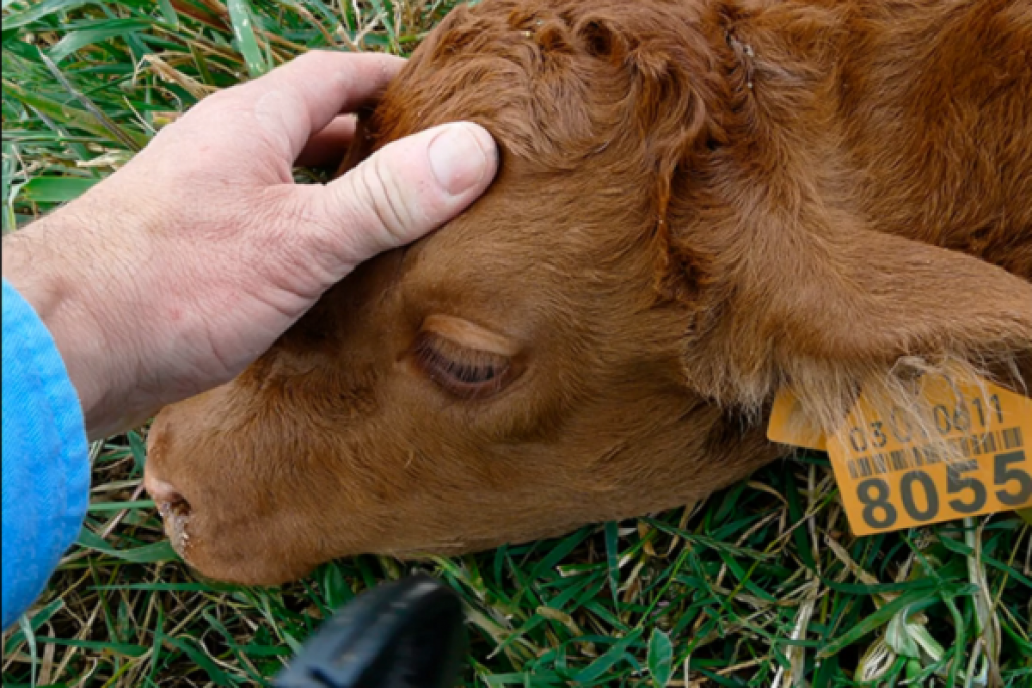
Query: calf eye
[(466, 373)]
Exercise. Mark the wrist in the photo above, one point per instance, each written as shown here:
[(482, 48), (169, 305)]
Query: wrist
[(45, 263)]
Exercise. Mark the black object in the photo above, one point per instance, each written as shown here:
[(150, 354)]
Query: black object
[(408, 634)]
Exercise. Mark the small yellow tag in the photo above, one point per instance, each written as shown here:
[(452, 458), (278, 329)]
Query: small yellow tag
[(892, 477), (790, 425)]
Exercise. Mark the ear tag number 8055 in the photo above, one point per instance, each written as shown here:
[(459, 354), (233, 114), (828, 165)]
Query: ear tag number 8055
[(892, 476)]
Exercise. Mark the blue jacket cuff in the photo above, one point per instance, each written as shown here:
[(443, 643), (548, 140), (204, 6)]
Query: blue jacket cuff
[(46, 469)]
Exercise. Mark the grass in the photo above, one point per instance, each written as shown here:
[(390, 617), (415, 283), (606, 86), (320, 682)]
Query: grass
[(761, 585)]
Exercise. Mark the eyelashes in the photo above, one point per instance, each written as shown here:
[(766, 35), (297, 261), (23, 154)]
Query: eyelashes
[(465, 373)]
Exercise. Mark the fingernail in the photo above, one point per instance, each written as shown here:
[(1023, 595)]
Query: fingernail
[(459, 157)]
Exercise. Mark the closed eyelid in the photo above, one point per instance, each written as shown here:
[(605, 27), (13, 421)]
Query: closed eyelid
[(469, 335), (465, 373)]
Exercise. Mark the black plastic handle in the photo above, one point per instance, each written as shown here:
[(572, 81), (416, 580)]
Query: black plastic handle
[(408, 634)]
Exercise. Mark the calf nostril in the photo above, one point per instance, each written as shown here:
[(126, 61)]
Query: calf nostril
[(164, 494), (175, 511)]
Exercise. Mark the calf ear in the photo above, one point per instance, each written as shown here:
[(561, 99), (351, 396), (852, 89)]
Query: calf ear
[(361, 145), (826, 313)]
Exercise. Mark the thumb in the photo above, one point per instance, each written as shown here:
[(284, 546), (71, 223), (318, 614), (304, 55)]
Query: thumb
[(408, 188)]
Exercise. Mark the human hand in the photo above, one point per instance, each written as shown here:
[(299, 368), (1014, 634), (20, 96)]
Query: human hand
[(172, 275)]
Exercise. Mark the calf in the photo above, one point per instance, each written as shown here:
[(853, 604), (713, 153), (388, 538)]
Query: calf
[(700, 202)]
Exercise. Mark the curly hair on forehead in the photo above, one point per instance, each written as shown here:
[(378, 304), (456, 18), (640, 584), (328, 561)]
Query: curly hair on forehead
[(560, 83), (556, 82)]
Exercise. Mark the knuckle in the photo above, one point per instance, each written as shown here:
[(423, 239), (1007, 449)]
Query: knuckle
[(385, 198), (393, 194), (214, 101), (312, 57)]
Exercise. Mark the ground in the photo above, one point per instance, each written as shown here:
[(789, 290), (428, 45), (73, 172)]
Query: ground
[(761, 585)]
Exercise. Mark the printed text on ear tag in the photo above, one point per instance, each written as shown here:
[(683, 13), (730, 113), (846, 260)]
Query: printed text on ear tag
[(892, 476)]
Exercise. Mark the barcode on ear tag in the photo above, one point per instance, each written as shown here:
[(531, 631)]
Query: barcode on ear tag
[(892, 476)]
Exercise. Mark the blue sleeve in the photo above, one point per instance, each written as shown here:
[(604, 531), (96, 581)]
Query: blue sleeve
[(46, 469)]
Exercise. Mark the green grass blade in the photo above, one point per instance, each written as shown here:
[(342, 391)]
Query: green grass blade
[(202, 660), (660, 658), (606, 662), (242, 18), (612, 533), (65, 114), (8, 189), (139, 451), (147, 554), (27, 633), (168, 13), (881, 618), (77, 40), (56, 189), (125, 649), (40, 11), (107, 507)]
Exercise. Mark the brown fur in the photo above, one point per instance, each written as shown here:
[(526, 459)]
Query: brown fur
[(700, 202)]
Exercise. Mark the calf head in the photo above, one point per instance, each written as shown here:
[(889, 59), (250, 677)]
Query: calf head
[(596, 338)]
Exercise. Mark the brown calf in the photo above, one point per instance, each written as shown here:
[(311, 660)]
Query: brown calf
[(701, 202)]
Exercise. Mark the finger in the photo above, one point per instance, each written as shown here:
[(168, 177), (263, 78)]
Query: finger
[(303, 96), (405, 190), (327, 148)]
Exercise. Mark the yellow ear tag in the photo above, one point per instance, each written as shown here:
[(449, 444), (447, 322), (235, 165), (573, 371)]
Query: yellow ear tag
[(892, 476), (790, 425)]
